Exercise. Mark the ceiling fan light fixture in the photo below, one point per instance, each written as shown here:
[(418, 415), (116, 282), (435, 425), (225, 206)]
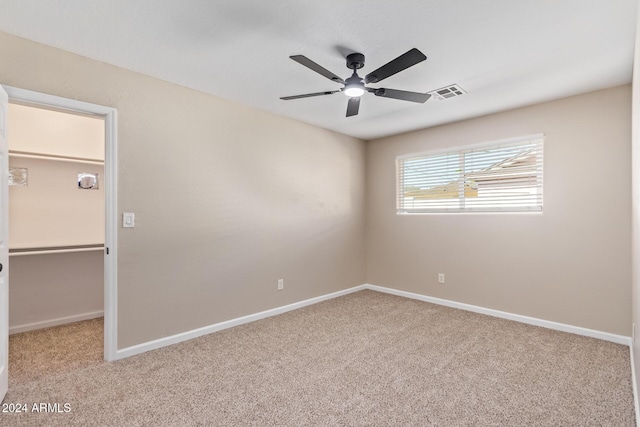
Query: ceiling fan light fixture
[(354, 87), (354, 91)]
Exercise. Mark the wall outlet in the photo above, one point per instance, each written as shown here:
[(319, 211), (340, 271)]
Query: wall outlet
[(280, 284), (440, 277)]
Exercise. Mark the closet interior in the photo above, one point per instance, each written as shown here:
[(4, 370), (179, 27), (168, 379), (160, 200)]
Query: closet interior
[(56, 217)]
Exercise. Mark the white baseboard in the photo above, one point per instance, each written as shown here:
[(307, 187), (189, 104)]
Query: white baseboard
[(618, 339), (54, 322), (634, 383), (184, 336)]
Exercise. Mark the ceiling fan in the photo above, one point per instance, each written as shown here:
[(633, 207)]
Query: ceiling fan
[(354, 86)]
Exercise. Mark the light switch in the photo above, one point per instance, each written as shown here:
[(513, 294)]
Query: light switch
[(128, 220)]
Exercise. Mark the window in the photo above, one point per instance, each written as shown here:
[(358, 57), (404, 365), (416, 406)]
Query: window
[(503, 176)]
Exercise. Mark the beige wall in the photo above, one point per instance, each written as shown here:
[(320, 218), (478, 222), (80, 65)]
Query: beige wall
[(42, 131), (227, 199), (45, 288), (51, 210), (570, 264)]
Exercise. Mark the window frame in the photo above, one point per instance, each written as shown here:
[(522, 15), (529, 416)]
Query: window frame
[(462, 209)]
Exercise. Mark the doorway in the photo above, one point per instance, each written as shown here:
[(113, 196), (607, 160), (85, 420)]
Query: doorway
[(56, 240), (108, 182)]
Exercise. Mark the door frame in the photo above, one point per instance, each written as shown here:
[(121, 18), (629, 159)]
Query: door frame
[(111, 200)]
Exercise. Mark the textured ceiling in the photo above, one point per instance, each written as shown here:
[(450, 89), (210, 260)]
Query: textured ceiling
[(505, 53)]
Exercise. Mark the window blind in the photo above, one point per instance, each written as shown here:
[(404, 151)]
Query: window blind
[(497, 177)]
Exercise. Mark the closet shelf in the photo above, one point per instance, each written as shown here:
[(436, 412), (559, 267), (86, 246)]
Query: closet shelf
[(55, 249), (26, 155)]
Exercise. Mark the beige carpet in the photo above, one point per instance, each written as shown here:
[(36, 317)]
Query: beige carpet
[(39, 354), (362, 359)]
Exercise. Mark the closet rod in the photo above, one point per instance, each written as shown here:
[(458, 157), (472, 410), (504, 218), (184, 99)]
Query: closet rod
[(56, 158), (55, 250)]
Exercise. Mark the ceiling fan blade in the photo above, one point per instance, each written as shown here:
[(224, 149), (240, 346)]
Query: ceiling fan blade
[(402, 62), (402, 95), (308, 95), (317, 68), (353, 106)]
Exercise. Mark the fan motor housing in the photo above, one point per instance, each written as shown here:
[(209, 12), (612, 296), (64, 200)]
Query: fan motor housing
[(355, 61)]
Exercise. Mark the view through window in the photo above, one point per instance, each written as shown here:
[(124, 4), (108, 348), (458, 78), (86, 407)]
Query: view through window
[(504, 176)]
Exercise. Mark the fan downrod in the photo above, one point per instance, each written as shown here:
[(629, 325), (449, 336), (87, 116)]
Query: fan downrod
[(355, 61)]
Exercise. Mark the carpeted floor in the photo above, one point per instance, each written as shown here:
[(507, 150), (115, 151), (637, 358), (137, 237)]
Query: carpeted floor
[(363, 359), (40, 354)]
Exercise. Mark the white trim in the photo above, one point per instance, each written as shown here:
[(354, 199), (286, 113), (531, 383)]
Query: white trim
[(54, 322), (634, 383), (195, 333), (56, 102), (184, 336), (111, 237), (468, 212), (606, 336), (111, 187)]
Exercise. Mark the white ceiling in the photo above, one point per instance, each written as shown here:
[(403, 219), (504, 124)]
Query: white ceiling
[(505, 53)]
